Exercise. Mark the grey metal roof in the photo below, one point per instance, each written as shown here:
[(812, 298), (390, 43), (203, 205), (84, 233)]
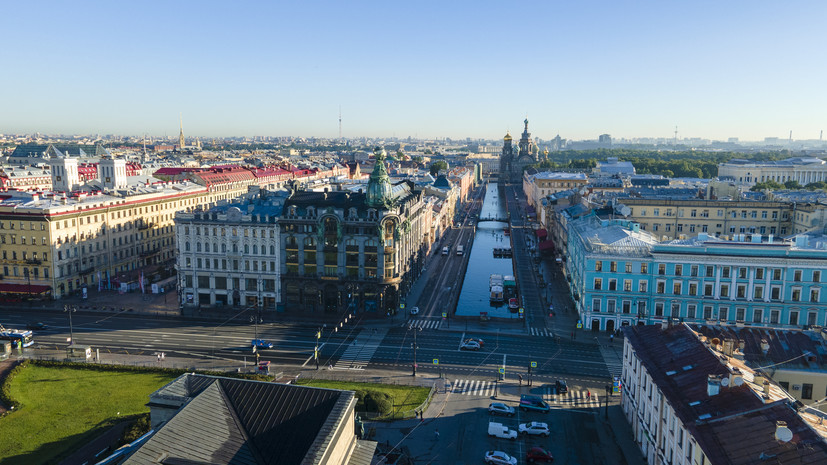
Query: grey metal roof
[(241, 422)]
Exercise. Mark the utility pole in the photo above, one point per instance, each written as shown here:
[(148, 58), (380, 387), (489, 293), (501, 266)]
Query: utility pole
[(415, 329), (70, 309)]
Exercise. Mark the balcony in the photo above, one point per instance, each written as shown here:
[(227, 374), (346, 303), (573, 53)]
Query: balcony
[(150, 252), (144, 226), (33, 261), (88, 270)]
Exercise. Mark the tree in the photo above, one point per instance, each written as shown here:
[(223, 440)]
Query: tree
[(792, 184), (427, 152), (437, 166), (418, 159), (766, 186)]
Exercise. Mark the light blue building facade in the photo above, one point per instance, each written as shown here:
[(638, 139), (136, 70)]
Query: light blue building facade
[(619, 275)]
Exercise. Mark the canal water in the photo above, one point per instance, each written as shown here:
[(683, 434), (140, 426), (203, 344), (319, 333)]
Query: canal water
[(482, 264)]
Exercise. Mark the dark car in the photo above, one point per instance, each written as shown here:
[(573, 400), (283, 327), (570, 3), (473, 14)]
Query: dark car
[(533, 403), (538, 454), (38, 325), (561, 386)]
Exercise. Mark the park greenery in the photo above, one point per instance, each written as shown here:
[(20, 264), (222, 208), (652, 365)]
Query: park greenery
[(791, 185), (437, 166), (388, 401), (677, 164)]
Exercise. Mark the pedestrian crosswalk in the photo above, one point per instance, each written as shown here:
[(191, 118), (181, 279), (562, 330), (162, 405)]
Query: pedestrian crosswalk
[(611, 356), (473, 387), (424, 324), (361, 349), (545, 332), (573, 399)]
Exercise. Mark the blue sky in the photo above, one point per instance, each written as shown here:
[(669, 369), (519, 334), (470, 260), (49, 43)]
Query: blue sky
[(428, 69)]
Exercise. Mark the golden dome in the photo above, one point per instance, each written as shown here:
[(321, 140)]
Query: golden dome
[(507, 136)]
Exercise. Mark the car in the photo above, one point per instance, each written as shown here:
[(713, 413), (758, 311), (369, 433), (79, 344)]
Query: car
[(38, 325), (561, 386), (499, 458), (414, 310), (477, 340), (261, 344), (535, 403), (499, 408), (538, 454), (469, 345), (535, 428)]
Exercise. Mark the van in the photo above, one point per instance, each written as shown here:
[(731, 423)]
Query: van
[(445, 251), (459, 250), (533, 403), (498, 430)]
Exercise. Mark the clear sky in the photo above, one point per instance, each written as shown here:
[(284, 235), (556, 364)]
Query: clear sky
[(716, 69)]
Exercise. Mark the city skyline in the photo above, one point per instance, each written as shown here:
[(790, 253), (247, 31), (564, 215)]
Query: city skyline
[(434, 71)]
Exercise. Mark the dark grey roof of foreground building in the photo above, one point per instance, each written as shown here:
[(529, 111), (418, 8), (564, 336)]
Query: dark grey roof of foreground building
[(242, 422)]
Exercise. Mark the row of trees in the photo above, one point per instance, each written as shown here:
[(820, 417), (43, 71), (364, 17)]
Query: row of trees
[(681, 163), (792, 185)]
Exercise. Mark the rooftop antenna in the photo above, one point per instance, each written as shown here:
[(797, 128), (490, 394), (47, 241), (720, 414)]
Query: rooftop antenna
[(791, 136), (676, 135), (821, 135), (340, 121)]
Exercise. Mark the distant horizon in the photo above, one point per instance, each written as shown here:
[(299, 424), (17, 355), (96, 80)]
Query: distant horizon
[(428, 70)]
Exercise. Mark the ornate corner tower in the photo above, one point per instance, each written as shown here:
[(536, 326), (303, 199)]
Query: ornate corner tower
[(379, 186)]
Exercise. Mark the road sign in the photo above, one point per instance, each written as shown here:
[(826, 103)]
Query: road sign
[(401, 305), (522, 310), (444, 315), (436, 361), (502, 371), (579, 325), (533, 364)]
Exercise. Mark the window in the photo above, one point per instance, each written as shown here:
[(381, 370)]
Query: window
[(690, 311), (642, 286), (797, 275), (656, 212), (627, 306), (598, 284), (816, 276), (678, 270), (708, 290), (724, 290), (598, 266), (610, 306), (814, 294), (710, 271), (628, 267), (758, 292), (811, 316), (776, 274), (644, 268), (806, 391), (794, 317), (658, 308), (708, 312), (775, 316), (693, 270), (660, 287), (723, 313), (676, 288), (661, 269), (627, 285), (757, 314), (742, 273), (613, 266), (775, 293), (612, 284), (740, 314), (693, 289), (759, 273), (725, 272), (596, 305), (796, 295), (741, 292), (676, 310)]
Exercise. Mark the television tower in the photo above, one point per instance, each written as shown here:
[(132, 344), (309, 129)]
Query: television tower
[(340, 122), (676, 135)]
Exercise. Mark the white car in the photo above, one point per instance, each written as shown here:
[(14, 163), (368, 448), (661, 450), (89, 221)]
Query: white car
[(414, 310), (535, 428), (499, 408), (499, 458), (469, 345)]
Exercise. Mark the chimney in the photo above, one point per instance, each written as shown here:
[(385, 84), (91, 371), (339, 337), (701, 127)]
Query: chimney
[(741, 344), (728, 346), (765, 346), (766, 386), (713, 385)]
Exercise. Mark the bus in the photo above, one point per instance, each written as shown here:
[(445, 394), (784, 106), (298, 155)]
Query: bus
[(17, 337)]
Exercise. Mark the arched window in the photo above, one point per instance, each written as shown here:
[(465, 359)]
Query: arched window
[(187, 246), (197, 246), (309, 242)]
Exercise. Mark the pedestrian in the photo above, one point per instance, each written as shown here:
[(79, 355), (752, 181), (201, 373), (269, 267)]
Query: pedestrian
[(520, 377), (159, 358), (611, 338), (436, 435), (572, 335), (588, 395)]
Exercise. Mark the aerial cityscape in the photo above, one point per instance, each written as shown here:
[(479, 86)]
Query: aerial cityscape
[(413, 234)]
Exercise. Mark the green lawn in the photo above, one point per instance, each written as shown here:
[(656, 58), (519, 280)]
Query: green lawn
[(405, 398), (63, 408)]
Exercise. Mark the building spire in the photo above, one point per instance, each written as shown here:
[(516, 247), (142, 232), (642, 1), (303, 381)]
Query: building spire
[(181, 134)]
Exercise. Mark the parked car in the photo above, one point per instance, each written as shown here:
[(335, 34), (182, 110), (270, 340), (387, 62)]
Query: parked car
[(538, 454), (499, 458), (469, 345), (38, 325), (561, 386), (535, 428), (261, 344), (414, 310), (499, 430), (535, 403), (499, 408)]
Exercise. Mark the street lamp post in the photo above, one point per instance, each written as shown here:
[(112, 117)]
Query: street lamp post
[(70, 309), (415, 329), (256, 319)]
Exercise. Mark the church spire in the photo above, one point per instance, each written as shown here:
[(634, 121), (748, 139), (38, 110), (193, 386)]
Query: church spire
[(181, 134)]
